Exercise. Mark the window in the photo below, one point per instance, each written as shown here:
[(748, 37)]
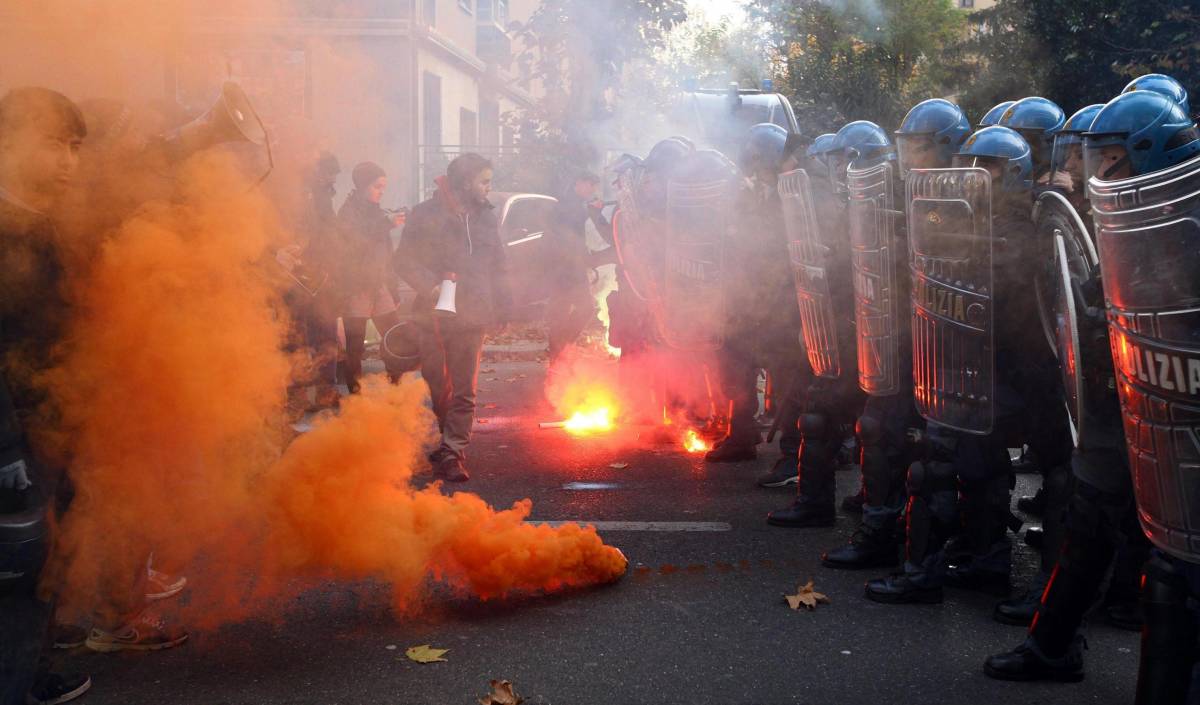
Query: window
[(966, 4), (429, 12), (468, 128), (489, 123), (494, 11), (432, 98), (466, 6)]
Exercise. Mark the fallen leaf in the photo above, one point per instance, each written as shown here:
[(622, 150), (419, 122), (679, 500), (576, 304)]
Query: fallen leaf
[(511, 379), (805, 595), (502, 694), (618, 466), (487, 370), (425, 654), (493, 379), (489, 406)]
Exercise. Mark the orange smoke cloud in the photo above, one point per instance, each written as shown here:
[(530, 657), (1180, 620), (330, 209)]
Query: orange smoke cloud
[(171, 397)]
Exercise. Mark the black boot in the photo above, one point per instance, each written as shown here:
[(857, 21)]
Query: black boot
[(813, 505), (1019, 611), (984, 511), (853, 503), (1168, 639), (915, 584), (1028, 663), (868, 548), (731, 450), (1033, 505)]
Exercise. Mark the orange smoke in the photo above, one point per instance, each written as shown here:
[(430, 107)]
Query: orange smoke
[(171, 398)]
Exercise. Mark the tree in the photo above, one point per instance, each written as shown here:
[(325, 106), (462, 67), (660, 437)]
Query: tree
[(861, 59), (577, 50)]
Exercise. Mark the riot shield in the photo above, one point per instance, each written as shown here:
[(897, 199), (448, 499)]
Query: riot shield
[(700, 216), (1072, 263), (1148, 236), (1053, 215), (810, 255), (634, 239), (1066, 339), (950, 258), (872, 217)]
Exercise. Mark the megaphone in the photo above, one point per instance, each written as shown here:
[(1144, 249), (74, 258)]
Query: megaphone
[(231, 119), (445, 302)]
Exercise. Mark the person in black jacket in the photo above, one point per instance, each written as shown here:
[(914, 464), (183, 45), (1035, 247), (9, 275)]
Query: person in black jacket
[(453, 240), (366, 251), (571, 306)]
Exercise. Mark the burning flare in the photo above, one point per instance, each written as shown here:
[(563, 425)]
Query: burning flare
[(585, 421), (693, 443)]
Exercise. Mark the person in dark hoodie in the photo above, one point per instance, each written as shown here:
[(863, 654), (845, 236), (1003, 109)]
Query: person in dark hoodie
[(363, 277), (452, 240)]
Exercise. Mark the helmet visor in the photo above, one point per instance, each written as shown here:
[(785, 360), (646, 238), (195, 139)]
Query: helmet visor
[(1106, 158), (917, 152), (1068, 156), (994, 165), (1037, 145)]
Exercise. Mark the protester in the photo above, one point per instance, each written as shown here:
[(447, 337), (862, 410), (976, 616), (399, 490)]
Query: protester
[(363, 272), (40, 135), (571, 306), (452, 240)]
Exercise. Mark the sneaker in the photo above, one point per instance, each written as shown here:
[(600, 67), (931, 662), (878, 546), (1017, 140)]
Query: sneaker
[(450, 468), (145, 633), (69, 636), (54, 688), (784, 472), (160, 585)]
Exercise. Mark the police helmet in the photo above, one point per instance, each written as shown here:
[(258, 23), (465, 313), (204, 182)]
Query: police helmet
[(862, 142), (705, 166), (1069, 140), (821, 146), (1001, 147), (666, 153), (1038, 120), (764, 148), (992, 117), (935, 123), (1161, 83), (1138, 133)]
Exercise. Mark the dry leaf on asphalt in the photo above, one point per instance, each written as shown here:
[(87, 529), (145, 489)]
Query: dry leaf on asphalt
[(511, 379), (502, 694), (618, 466), (487, 370), (425, 654), (806, 596)]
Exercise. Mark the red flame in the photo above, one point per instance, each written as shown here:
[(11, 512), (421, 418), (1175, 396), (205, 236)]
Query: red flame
[(693, 443)]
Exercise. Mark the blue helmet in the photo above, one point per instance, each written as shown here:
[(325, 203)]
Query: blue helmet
[(1069, 141), (992, 117), (1146, 131), (1001, 146), (1161, 83), (764, 148), (820, 146), (666, 153), (861, 141), (1037, 119), (935, 121)]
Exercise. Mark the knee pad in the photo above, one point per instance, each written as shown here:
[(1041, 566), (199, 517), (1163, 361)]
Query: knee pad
[(869, 430), (813, 425), (928, 477)]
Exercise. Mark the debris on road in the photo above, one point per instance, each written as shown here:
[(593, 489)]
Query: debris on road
[(502, 694), (425, 654), (806, 596)]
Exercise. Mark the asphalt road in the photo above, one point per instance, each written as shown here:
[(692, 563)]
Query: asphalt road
[(700, 618)]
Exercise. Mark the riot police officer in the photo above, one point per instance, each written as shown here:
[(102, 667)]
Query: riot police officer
[(763, 323), (1037, 120), (978, 398), (928, 137), (992, 116), (821, 254), (1140, 153)]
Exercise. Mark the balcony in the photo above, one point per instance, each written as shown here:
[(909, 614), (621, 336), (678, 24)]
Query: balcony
[(492, 44)]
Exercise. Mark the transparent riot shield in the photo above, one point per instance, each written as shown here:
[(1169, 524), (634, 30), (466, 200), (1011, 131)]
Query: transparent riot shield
[(1148, 237), (810, 256), (700, 217), (872, 218), (637, 239), (1072, 262), (950, 258)]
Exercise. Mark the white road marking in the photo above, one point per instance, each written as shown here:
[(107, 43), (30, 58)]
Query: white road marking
[(591, 485), (644, 525)]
